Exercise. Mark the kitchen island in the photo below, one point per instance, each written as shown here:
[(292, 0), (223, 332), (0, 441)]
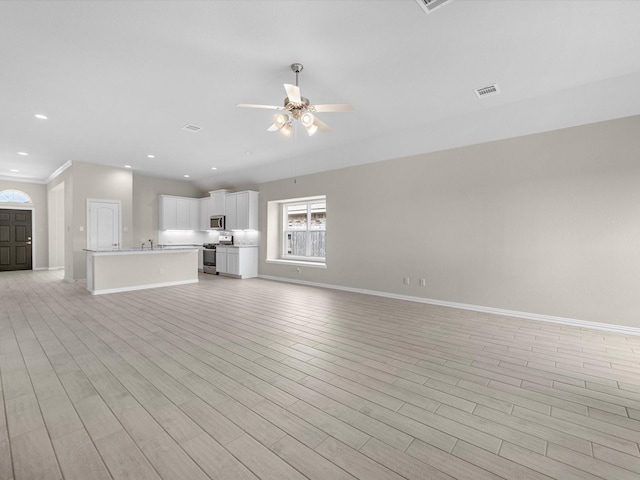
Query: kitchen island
[(110, 271)]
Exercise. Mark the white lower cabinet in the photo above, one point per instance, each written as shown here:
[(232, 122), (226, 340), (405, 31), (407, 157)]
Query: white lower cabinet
[(233, 262), (221, 260), (241, 262)]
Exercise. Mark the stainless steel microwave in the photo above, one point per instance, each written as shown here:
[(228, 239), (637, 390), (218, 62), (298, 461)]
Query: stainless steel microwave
[(217, 222)]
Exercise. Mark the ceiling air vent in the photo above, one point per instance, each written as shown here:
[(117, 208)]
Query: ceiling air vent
[(487, 91), (430, 5), (191, 128)]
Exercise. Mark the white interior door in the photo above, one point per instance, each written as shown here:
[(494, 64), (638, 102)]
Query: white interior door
[(103, 220)]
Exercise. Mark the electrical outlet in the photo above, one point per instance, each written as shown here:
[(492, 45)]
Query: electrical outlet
[(407, 281), (423, 282)]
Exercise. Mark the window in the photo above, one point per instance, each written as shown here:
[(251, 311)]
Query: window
[(305, 228), (14, 196)]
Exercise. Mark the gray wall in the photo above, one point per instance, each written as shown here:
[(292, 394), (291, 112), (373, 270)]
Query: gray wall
[(546, 224), (38, 193)]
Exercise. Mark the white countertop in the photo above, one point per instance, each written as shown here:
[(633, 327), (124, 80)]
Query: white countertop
[(136, 251)]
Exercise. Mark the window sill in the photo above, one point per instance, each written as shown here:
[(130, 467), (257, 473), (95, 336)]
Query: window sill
[(299, 263)]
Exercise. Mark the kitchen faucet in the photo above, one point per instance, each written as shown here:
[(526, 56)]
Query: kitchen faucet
[(151, 242)]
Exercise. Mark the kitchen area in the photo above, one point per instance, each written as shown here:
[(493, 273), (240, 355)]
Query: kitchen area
[(223, 226), (216, 235)]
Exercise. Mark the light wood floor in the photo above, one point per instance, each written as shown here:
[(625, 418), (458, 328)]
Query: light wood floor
[(243, 379)]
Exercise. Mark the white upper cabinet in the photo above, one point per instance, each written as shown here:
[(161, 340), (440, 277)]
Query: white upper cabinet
[(241, 210), (194, 214), (168, 209), (182, 222), (178, 213), (231, 202), (205, 213), (217, 202)]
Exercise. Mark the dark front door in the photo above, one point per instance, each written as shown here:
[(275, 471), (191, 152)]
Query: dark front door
[(15, 240)]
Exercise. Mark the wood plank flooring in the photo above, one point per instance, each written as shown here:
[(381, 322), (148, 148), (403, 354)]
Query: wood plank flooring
[(230, 379)]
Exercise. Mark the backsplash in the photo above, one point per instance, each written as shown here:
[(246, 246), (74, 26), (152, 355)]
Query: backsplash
[(246, 237), (180, 237)]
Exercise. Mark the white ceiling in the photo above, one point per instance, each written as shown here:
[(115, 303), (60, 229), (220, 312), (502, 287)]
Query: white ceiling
[(118, 80)]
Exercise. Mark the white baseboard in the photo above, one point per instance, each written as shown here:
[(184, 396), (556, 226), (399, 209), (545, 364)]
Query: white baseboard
[(53, 268), (142, 287), (465, 306)]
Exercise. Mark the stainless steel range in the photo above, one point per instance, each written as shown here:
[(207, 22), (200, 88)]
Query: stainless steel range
[(209, 258), (209, 253)]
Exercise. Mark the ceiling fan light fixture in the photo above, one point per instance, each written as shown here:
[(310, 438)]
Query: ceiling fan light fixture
[(280, 120), (286, 130), (312, 129), (297, 107), (307, 119)]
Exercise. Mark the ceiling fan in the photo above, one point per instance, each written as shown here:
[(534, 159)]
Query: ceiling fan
[(299, 108)]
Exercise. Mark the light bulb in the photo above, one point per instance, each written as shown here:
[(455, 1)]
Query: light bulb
[(307, 119), (312, 129), (280, 120), (286, 130)]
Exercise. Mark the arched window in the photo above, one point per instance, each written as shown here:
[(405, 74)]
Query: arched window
[(14, 196)]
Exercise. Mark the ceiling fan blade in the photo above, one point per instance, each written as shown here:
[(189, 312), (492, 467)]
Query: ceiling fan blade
[(323, 127), (293, 93), (334, 107), (252, 105)]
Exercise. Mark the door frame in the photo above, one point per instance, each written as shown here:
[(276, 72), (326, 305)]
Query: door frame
[(9, 206), (88, 222), (51, 231)]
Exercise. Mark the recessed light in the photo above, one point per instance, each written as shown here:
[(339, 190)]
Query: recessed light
[(186, 176), (14, 170), (151, 156), (24, 154), (214, 168), (127, 166), (41, 116)]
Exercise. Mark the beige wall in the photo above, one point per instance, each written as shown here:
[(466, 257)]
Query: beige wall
[(38, 193), (83, 181), (56, 224), (145, 203), (546, 224), (92, 181), (138, 196), (65, 179)]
